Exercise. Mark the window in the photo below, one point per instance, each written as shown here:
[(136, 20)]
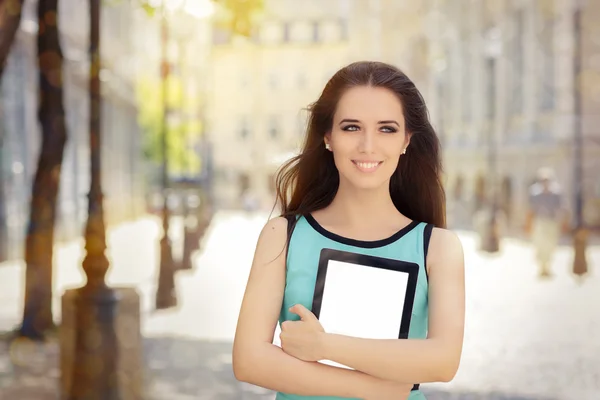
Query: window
[(272, 80), (301, 80), (301, 32), (491, 88), (244, 130), (271, 32), (286, 32), (344, 29), (315, 27), (546, 62), (516, 100), (466, 80), (273, 127), (331, 31)]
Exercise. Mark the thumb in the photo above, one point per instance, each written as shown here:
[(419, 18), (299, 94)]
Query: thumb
[(302, 312)]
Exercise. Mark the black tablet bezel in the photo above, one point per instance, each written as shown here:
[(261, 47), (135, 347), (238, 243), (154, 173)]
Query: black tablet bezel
[(411, 268)]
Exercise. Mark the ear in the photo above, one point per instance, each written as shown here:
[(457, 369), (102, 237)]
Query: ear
[(327, 138), (407, 139)]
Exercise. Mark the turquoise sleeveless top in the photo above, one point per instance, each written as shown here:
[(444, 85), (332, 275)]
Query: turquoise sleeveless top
[(309, 238)]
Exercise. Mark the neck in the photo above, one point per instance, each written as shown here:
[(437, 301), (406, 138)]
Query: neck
[(354, 204)]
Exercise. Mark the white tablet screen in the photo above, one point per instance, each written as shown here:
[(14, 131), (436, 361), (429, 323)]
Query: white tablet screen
[(362, 301)]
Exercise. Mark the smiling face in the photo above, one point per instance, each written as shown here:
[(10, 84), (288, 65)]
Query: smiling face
[(368, 136)]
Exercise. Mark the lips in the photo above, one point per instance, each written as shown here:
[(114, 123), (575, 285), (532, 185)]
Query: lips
[(367, 166)]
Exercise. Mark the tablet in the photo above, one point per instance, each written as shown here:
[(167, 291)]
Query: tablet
[(364, 296)]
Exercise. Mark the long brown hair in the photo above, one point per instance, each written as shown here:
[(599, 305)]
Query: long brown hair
[(309, 181)]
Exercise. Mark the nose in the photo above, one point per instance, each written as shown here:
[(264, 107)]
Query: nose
[(367, 141)]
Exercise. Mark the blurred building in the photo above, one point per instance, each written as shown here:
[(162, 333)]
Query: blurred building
[(497, 77), (501, 91), (259, 87), (391, 31), (20, 132)]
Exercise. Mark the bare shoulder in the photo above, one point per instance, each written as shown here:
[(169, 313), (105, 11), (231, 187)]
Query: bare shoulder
[(445, 249), (275, 228), (272, 239)]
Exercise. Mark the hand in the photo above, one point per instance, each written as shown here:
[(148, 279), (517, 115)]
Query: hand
[(302, 339), (387, 390)]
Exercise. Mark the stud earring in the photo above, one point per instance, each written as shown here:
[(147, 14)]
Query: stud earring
[(404, 151), (327, 146)]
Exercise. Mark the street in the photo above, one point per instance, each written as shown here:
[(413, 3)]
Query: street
[(525, 339)]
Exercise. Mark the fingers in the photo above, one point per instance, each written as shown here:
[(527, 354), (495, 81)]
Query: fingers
[(286, 325), (302, 312)]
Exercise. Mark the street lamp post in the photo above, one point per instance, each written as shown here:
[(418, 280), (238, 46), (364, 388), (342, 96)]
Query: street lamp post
[(3, 226), (190, 222), (580, 232), (491, 238), (96, 347), (166, 296)]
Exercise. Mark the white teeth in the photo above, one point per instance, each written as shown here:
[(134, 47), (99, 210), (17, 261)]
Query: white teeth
[(364, 165)]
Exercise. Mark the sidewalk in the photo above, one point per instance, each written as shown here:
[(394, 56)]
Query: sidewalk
[(187, 350), (132, 251)]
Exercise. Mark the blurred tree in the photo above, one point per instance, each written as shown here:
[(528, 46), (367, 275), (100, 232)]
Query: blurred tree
[(37, 311), (235, 15), (238, 16), (10, 18), (181, 154)]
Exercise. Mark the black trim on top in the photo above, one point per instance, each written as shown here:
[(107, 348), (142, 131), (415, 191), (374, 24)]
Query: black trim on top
[(426, 237), (367, 244), (291, 224)]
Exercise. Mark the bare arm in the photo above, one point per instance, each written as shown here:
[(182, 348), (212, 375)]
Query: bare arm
[(255, 359), (435, 359)]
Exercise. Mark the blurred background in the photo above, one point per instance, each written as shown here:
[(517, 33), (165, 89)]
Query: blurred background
[(175, 116)]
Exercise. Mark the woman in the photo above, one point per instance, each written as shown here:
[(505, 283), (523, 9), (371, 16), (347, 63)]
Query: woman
[(367, 180)]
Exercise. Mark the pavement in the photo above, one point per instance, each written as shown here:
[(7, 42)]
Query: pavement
[(525, 339)]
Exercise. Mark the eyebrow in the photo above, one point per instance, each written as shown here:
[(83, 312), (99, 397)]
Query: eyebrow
[(389, 121)]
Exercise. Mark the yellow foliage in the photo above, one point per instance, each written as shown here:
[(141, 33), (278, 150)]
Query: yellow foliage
[(238, 16), (182, 134)]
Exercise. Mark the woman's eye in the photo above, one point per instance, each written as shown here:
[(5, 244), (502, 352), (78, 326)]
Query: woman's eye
[(388, 129), (350, 128)]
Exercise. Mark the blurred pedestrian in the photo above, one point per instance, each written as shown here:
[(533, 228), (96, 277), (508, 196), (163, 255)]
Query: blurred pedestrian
[(545, 219), (250, 201), (368, 180)]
